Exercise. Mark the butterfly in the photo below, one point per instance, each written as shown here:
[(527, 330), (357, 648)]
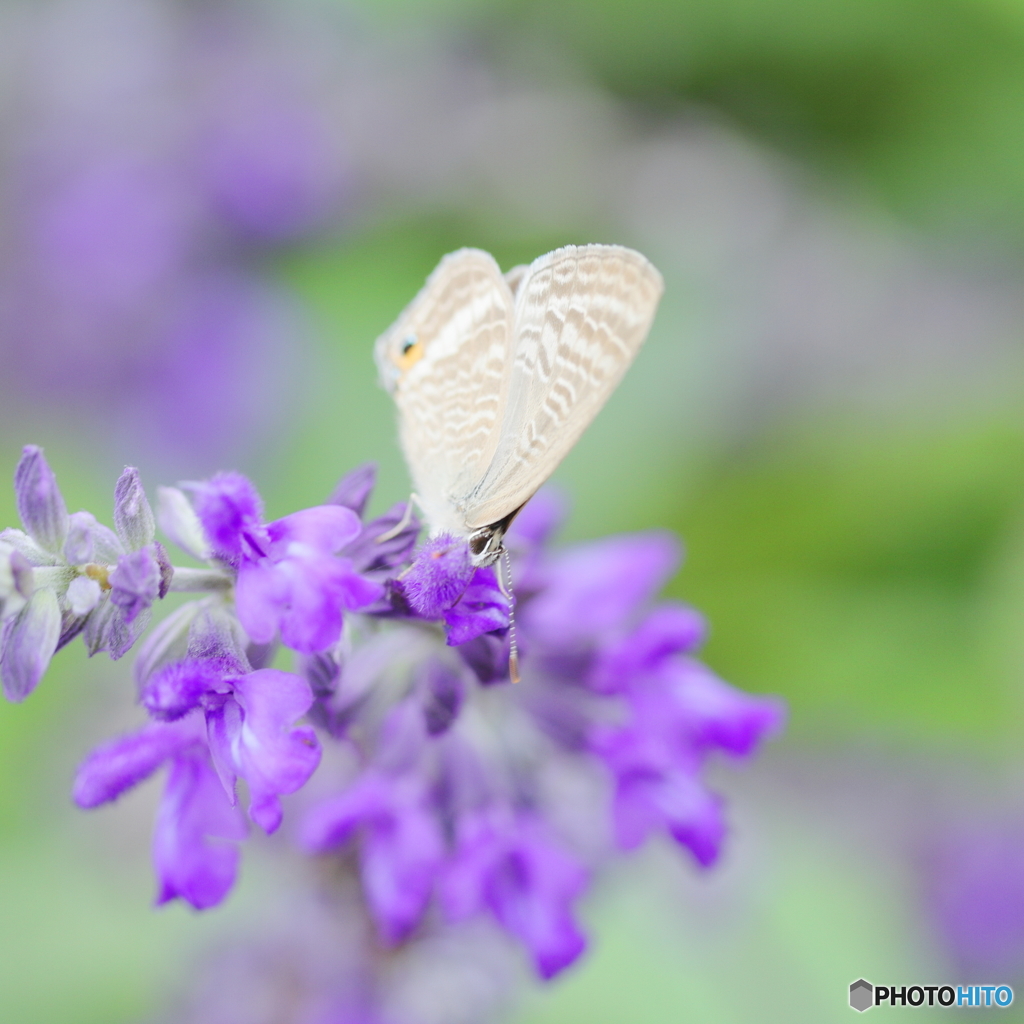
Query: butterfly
[(497, 376)]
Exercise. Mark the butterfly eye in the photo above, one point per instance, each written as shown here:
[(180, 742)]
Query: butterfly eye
[(409, 352)]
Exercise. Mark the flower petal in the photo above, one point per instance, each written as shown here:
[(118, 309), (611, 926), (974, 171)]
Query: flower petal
[(195, 850), (176, 689), (260, 592), (30, 641), (230, 509), (27, 547), (123, 763), (354, 489), (369, 554), (83, 595), (718, 715), (273, 755), (483, 608), (325, 528), (669, 629), (593, 589)]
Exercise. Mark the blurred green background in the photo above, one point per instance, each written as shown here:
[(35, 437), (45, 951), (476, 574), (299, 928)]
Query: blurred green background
[(828, 411)]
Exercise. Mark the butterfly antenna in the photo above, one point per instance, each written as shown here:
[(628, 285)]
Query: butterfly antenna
[(513, 647)]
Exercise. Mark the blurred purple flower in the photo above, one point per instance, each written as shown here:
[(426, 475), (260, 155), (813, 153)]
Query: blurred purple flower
[(974, 881), (142, 197), (515, 870), (195, 850)]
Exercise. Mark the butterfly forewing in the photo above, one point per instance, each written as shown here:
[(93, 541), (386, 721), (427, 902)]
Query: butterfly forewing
[(580, 317), (446, 360)]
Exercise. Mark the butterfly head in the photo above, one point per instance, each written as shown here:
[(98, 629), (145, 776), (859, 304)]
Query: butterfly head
[(486, 546)]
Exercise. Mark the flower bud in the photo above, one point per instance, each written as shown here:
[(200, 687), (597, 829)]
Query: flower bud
[(40, 503), (133, 517), (179, 521), (90, 541)]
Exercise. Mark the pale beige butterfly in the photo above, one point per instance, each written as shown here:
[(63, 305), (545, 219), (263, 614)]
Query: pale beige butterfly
[(496, 377)]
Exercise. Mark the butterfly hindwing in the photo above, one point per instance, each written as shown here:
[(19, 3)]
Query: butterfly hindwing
[(581, 314)]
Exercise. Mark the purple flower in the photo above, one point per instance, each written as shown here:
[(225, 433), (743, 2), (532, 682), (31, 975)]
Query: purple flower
[(401, 844), (250, 726), (195, 851), (482, 608), (439, 576), (443, 584), (217, 723), (451, 801), (974, 885), (195, 843), (99, 583), (525, 879), (354, 489), (591, 591), (676, 716), (668, 629), (252, 736), (290, 580)]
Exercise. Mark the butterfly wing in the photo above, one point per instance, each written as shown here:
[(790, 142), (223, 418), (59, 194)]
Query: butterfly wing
[(581, 315), (445, 360)]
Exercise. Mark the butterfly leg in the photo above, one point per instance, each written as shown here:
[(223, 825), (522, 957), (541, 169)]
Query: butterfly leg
[(404, 521)]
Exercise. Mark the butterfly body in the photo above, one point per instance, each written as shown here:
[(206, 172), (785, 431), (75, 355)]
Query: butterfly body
[(496, 376)]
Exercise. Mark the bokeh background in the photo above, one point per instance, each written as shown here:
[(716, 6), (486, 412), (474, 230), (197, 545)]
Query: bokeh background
[(210, 208)]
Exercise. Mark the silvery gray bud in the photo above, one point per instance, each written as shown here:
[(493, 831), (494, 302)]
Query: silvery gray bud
[(133, 518), (179, 521), (106, 629), (91, 541), (40, 503), (23, 543), (30, 639)]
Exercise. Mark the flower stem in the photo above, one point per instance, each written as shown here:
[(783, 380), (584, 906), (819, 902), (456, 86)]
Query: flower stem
[(191, 581)]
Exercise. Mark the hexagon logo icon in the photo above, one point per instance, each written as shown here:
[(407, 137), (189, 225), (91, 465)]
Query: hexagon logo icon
[(862, 995)]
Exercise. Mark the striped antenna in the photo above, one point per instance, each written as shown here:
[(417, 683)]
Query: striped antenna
[(513, 647)]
